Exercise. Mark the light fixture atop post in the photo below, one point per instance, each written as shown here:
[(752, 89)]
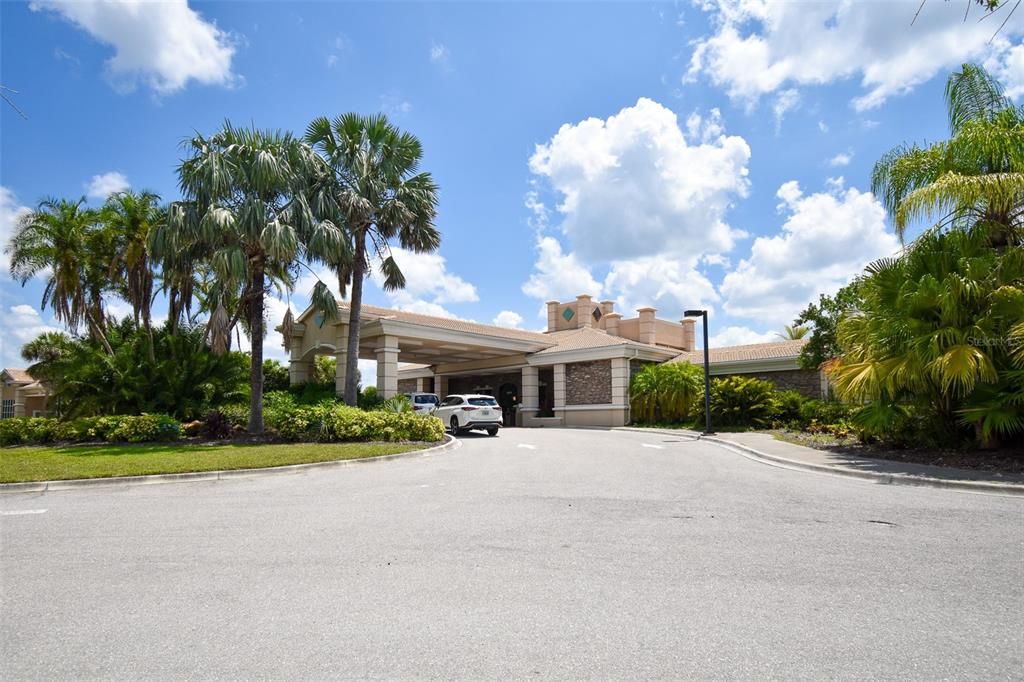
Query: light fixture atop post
[(703, 314)]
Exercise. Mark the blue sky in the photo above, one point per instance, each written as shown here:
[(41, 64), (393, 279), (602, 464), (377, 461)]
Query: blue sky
[(679, 155)]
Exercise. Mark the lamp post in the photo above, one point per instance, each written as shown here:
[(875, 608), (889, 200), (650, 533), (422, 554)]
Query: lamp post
[(703, 314)]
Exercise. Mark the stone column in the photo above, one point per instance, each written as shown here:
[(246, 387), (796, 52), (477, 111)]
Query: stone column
[(611, 323), (299, 370), (584, 311), (620, 381), (646, 325), (340, 358), (552, 315), (421, 385), (529, 395), (387, 366), (441, 386), (19, 403), (689, 333), (558, 389)]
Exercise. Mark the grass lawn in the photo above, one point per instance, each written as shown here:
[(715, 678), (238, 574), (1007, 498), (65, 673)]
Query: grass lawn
[(103, 461)]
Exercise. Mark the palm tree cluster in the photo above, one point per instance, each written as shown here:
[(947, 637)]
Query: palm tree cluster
[(257, 209), (941, 326)]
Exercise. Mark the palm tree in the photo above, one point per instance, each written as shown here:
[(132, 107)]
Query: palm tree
[(382, 196), (792, 332), (245, 209), (63, 241), (975, 177), (131, 216)]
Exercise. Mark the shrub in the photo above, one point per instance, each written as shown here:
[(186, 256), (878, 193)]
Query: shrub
[(824, 412), (742, 401), (332, 422), (275, 376), (788, 405), (216, 426), (144, 428), (665, 393), (312, 393), (398, 404), (368, 399)]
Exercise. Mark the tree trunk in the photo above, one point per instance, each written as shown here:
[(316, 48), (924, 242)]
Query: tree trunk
[(256, 337), (355, 309)]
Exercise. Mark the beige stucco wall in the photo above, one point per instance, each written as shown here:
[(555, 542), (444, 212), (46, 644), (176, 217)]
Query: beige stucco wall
[(594, 417)]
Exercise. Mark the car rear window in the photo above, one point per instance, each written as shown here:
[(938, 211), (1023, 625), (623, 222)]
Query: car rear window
[(483, 402), (426, 399)]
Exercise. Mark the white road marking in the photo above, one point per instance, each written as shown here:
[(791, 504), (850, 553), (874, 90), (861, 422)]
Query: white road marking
[(22, 512), (649, 445), (528, 447)]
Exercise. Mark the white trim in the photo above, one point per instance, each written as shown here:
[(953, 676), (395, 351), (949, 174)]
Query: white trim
[(584, 408), (601, 353)]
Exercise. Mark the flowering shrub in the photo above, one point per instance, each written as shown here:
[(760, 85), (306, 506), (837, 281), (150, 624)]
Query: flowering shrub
[(145, 428), (328, 421)]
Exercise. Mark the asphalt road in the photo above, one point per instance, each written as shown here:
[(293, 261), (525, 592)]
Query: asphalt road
[(537, 554)]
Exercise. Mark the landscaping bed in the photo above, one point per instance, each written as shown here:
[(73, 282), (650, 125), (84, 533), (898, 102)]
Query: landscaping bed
[(29, 463), (1006, 461)]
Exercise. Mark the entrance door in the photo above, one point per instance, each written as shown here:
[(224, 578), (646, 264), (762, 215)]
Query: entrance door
[(508, 398)]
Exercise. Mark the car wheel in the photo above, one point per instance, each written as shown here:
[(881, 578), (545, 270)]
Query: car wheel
[(455, 426), (492, 431)]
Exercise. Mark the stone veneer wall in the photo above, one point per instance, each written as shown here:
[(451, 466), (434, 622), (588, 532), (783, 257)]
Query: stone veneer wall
[(588, 383), (807, 381), (406, 385)]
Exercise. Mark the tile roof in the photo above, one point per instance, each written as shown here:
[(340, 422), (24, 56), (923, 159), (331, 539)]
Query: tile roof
[(754, 351), (453, 324), (588, 337), (19, 375)]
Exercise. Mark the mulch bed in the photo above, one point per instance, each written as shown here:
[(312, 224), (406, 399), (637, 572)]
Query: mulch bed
[(1005, 461)]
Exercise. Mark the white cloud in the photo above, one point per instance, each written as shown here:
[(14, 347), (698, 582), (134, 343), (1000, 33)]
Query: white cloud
[(841, 159), (332, 61), (394, 104), (760, 46), (632, 186), (440, 55), (1009, 68), (736, 336), (102, 186), (11, 211), (163, 45), (785, 101), (21, 323), (508, 318), (827, 238), (427, 276), (559, 276), (669, 284), (822, 126)]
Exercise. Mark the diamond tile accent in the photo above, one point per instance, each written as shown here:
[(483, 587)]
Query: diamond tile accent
[(568, 314)]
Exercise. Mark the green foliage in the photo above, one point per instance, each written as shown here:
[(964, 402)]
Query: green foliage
[(823, 318), (275, 376), (666, 392), (183, 378), (369, 399), (312, 393), (324, 369), (334, 422), (145, 428), (398, 404), (789, 405), (742, 401)]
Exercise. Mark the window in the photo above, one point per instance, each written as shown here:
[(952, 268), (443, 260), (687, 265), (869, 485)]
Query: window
[(425, 399), (451, 400), (483, 402), (7, 409), (597, 314)]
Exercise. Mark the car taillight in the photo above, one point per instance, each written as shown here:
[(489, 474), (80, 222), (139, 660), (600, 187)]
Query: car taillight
[(467, 408)]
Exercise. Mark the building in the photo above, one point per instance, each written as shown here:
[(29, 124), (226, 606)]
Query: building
[(21, 395), (576, 373)]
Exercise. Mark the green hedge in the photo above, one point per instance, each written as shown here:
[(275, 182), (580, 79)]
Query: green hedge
[(329, 421), (146, 428)]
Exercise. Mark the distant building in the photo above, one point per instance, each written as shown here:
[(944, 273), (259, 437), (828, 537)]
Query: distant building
[(21, 395), (576, 373)]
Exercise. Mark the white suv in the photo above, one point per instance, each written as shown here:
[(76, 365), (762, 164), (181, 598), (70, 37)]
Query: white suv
[(423, 403), (469, 412)]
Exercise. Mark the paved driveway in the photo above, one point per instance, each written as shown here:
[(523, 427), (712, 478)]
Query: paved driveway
[(537, 554)]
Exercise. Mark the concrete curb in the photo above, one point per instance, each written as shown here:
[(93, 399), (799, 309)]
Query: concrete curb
[(450, 443), (891, 479)]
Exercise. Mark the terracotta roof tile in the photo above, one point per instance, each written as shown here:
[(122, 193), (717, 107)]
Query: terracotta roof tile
[(19, 375), (753, 351), (588, 337)]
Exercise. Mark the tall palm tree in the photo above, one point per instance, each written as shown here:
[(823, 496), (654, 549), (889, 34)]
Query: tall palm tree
[(975, 177), (131, 216), (245, 208), (63, 241), (382, 195), (792, 332)]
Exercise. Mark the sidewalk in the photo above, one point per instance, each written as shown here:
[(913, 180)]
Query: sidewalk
[(765, 447)]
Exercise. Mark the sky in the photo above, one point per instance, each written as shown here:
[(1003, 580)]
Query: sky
[(711, 154)]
